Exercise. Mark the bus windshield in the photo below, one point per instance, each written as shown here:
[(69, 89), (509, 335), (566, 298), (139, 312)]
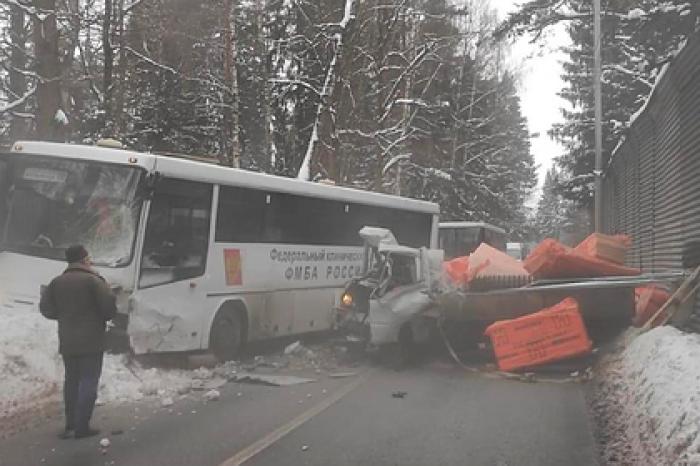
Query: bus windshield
[(49, 204)]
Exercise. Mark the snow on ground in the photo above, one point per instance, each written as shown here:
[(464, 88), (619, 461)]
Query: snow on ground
[(32, 371), (647, 399)]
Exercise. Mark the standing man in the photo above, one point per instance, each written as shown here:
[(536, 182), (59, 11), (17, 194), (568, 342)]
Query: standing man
[(82, 302)]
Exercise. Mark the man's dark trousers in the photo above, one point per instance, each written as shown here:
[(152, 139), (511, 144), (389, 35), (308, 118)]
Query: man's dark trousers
[(80, 389)]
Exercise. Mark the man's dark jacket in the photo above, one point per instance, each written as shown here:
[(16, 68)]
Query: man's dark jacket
[(82, 302)]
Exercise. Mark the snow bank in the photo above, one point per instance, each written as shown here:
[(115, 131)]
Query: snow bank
[(650, 392), (30, 367), (124, 380), (32, 371)]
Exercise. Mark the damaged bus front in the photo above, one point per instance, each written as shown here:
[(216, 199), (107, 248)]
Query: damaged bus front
[(56, 195), (389, 302)]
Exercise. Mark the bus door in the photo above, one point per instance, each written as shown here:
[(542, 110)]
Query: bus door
[(169, 304)]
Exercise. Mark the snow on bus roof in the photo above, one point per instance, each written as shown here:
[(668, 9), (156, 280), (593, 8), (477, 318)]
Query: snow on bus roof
[(471, 225), (211, 173)]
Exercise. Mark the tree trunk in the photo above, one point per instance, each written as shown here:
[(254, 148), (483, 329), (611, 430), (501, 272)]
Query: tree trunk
[(232, 152), (326, 107), (108, 69), (18, 81), (118, 109), (48, 125), (270, 151)]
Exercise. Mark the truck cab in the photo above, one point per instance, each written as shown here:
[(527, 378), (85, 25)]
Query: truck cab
[(388, 300)]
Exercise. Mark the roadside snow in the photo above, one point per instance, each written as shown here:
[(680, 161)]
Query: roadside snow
[(32, 371), (29, 364), (648, 400)]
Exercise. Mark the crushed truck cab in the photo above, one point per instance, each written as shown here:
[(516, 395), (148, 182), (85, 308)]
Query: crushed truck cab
[(390, 298)]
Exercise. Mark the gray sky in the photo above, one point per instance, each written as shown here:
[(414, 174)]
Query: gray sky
[(540, 81)]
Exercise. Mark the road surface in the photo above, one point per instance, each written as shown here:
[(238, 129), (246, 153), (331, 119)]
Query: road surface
[(446, 417)]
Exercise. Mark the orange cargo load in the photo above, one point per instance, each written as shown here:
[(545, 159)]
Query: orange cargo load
[(552, 334), (484, 261), (457, 270), (606, 247), (489, 261), (551, 259), (649, 300)]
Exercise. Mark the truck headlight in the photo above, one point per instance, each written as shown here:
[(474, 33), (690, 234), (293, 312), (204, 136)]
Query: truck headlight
[(346, 299)]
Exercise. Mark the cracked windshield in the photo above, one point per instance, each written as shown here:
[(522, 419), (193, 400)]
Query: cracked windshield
[(349, 232)]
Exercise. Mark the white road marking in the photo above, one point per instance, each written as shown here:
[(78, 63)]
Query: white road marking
[(256, 447)]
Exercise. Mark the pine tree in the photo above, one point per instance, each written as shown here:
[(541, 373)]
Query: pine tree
[(638, 36)]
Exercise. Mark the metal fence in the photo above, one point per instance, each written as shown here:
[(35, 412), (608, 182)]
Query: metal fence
[(652, 182)]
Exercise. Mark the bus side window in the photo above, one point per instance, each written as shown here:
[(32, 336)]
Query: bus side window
[(177, 233), (241, 215)]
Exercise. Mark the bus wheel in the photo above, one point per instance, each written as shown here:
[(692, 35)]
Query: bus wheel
[(226, 337)]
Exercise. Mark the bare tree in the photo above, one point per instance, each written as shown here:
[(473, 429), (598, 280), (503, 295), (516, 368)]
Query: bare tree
[(18, 91), (50, 118), (326, 106), (231, 143)]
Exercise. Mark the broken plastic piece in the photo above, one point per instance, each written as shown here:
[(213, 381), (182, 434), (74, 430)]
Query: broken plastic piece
[(342, 375), (293, 348), (273, 380)]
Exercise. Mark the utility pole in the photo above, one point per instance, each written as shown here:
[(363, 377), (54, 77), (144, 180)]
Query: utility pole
[(598, 172)]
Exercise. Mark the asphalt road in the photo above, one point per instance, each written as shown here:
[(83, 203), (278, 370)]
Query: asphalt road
[(446, 417)]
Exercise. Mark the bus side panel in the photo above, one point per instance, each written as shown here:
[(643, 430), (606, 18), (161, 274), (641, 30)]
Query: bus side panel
[(313, 309), (288, 289)]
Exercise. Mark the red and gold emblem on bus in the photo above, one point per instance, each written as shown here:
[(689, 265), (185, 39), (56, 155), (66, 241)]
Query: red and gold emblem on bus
[(232, 264)]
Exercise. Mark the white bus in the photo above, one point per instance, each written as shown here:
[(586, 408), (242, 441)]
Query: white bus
[(202, 257), (462, 238)]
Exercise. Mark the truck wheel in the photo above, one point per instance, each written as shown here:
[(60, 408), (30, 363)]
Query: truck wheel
[(226, 338)]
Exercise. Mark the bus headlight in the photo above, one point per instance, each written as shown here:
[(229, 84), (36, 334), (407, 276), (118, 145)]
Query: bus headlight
[(346, 299)]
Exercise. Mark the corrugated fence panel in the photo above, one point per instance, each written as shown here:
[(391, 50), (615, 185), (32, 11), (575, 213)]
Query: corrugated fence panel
[(687, 80), (653, 179), (669, 221), (644, 137)]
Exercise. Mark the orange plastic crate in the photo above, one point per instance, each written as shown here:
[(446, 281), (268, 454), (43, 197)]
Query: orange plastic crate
[(549, 335)]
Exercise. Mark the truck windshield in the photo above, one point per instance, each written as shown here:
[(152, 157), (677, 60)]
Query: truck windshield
[(47, 204)]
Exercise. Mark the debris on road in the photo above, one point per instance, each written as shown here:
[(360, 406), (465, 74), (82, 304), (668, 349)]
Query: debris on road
[(212, 395), (105, 443), (294, 348), (399, 395), (304, 448), (273, 380), (202, 385), (342, 375)]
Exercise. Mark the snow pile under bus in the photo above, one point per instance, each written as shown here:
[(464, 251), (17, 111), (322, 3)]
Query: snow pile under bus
[(33, 372)]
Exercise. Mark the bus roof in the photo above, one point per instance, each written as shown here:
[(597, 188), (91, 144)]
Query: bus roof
[(488, 226), (216, 174)]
